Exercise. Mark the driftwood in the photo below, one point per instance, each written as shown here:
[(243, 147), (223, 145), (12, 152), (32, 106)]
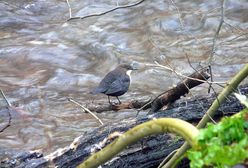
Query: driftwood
[(149, 153), (135, 104), (180, 90)]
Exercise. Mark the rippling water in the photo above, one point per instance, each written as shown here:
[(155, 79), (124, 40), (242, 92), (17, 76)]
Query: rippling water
[(44, 59)]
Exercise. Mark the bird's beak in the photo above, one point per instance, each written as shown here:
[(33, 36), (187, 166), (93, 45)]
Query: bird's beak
[(135, 65)]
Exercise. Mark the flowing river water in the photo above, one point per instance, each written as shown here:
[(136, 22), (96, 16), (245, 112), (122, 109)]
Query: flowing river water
[(45, 59)]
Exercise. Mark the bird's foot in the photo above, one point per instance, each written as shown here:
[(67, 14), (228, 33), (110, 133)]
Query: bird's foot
[(114, 103)]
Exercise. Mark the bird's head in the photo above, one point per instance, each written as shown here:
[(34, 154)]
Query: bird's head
[(128, 68)]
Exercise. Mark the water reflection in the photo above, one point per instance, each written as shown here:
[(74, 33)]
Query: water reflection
[(44, 59)]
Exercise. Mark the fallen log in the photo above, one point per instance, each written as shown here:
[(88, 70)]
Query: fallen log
[(149, 153), (181, 89)]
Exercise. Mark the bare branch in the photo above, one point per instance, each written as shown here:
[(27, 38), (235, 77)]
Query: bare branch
[(9, 121), (108, 11), (143, 107), (173, 70), (8, 111), (180, 74), (85, 109), (210, 86), (215, 39), (217, 33), (6, 100), (69, 7), (167, 158), (179, 14)]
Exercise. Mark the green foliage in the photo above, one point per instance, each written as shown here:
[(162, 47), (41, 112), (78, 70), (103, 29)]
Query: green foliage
[(222, 145)]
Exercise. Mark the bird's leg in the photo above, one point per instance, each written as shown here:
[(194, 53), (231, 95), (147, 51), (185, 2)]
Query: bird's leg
[(109, 101), (118, 100)]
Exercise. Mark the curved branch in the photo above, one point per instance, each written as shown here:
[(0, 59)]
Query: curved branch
[(103, 13), (155, 126)]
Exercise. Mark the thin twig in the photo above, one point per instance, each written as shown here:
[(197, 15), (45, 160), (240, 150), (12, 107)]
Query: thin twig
[(167, 158), (173, 70), (234, 38), (85, 109), (179, 14), (8, 111), (9, 121), (69, 8), (182, 26), (206, 82), (215, 39), (217, 33), (108, 11), (211, 78), (138, 111), (4, 97), (180, 74), (237, 29)]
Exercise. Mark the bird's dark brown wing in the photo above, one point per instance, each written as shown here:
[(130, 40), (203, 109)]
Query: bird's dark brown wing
[(119, 86), (107, 82)]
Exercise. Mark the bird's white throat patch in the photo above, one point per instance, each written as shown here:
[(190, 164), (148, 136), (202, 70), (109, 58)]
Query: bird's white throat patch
[(129, 73)]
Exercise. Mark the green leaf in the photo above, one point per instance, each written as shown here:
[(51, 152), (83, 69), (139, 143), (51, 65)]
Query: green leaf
[(246, 125)]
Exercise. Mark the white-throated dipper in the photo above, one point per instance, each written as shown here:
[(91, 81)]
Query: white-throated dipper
[(116, 82)]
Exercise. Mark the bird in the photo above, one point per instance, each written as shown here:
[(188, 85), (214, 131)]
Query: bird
[(115, 83)]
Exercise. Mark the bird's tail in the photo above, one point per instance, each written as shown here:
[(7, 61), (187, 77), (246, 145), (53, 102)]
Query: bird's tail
[(96, 91)]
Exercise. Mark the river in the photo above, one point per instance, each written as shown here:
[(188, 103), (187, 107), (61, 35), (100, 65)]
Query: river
[(45, 59)]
